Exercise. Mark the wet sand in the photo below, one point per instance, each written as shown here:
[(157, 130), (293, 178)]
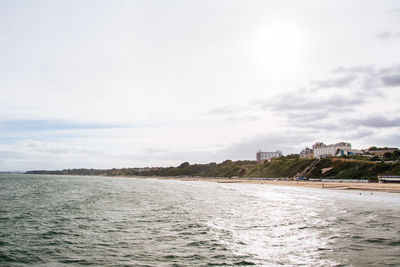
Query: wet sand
[(381, 187)]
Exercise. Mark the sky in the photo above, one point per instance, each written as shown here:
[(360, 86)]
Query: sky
[(112, 84)]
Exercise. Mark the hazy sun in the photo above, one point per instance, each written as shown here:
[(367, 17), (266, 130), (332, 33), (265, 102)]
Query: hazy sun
[(280, 44)]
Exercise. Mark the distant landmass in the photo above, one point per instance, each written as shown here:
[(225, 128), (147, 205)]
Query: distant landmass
[(289, 166)]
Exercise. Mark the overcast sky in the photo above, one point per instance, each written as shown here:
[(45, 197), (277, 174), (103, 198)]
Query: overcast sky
[(102, 84)]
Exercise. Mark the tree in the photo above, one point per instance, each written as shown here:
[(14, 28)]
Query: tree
[(381, 167), (184, 165), (375, 158), (388, 155), (293, 156)]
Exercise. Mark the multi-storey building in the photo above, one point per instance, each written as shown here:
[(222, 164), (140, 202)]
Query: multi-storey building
[(321, 150), (266, 156), (306, 153)]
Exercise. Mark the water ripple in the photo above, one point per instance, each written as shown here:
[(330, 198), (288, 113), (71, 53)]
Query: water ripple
[(77, 221)]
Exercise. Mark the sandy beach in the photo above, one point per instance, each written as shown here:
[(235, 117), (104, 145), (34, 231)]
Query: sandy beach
[(381, 187)]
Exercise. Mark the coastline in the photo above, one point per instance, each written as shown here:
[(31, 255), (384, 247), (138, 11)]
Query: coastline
[(375, 187), (371, 187)]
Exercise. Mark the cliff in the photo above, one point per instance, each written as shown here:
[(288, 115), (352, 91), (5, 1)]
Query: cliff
[(289, 166)]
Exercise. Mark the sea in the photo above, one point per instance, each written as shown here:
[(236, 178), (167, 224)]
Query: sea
[(100, 221)]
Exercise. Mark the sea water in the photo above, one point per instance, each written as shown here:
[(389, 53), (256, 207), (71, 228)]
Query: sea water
[(73, 221)]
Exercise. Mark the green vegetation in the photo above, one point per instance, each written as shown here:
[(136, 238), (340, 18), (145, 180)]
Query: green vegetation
[(342, 169), (374, 148), (280, 167), (392, 156), (289, 166)]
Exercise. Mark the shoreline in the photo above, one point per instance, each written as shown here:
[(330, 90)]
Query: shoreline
[(371, 187), (375, 187)]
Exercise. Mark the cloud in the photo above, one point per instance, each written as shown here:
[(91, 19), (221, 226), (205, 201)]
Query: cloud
[(298, 101), (336, 82), (354, 69), (359, 133), (328, 125), (307, 116), (38, 147), (324, 109), (244, 149), (243, 118), (358, 78), (286, 141), (389, 140), (329, 110), (391, 80), (227, 110), (369, 77), (48, 125), (30, 154), (386, 35), (309, 120), (376, 121), (235, 113)]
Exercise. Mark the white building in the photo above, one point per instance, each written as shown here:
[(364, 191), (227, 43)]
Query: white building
[(321, 150), (266, 156)]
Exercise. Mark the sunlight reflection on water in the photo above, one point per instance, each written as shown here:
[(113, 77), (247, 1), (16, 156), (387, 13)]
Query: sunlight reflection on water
[(115, 221)]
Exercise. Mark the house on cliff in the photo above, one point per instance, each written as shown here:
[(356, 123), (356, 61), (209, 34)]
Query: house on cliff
[(267, 156)]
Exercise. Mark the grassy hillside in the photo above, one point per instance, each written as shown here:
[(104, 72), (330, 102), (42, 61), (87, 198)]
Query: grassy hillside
[(353, 169), (282, 167), (289, 166)]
